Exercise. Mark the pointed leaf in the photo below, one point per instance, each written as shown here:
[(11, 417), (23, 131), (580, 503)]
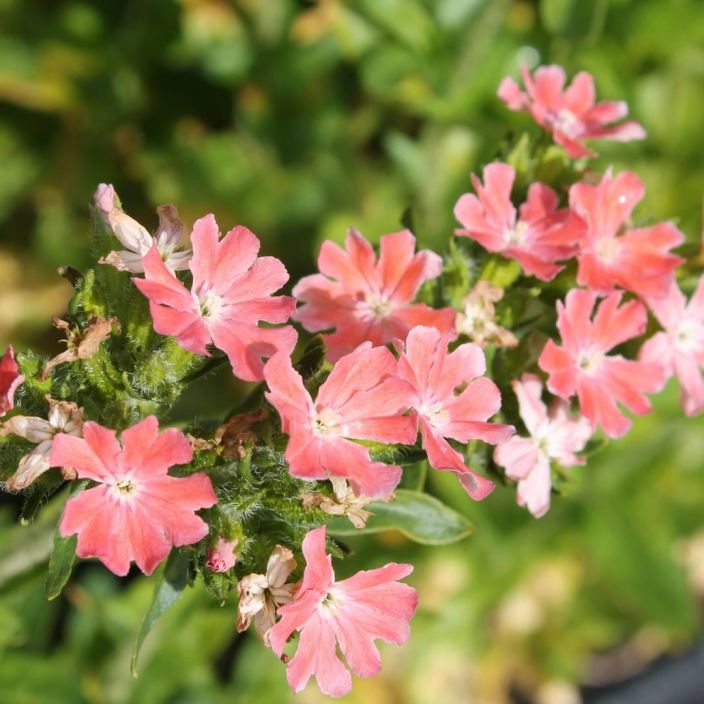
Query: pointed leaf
[(419, 516), (171, 583)]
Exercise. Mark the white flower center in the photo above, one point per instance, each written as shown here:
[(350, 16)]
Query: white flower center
[(328, 423), (210, 303), (517, 235), (435, 413), (590, 361), (567, 122), (379, 306), (333, 601), (607, 249), (689, 336), (124, 489)]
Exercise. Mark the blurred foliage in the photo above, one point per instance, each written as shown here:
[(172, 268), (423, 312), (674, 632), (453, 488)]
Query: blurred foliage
[(300, 119)]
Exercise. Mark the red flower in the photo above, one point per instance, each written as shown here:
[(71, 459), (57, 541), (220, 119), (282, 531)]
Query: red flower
[(444, 411), (137, 511), (231, 292), (581, 366), (537, 238), (362, 399), (352, 613), (10, 379), (572, 115), (366, 299), (611, 254)]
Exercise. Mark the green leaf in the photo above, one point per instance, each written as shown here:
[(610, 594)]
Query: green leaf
[(172, 582), (419, 516), (63, 554), (60, 564)]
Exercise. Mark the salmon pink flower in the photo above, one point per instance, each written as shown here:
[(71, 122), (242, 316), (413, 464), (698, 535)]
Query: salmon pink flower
[(137, 511), (679, 348), (614, 255), (352, 613), (362, 399), (572, 114), (554, 434), (230, 294), (539, 235), (64, 417), (10, 379), (366, 299), (582, 367), (168, 238), (445, 411), (222, 556)]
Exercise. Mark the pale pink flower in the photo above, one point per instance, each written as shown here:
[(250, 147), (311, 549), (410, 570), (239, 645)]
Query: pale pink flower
[(137, 511), (168, 238), (572, 114), (554, 435), (582, 367), (259, 595), (64, 417), (362, 399), (612, 254), (478, 320), (352, 613), (231, 292), (679, 348), (452, 399), (222, 556), (10, 379), (366, 299), (537, 236)]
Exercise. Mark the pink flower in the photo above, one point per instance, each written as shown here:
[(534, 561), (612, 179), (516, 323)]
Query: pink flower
[(445, 411), (362, 399), (611, 253), (137, 511), (230, 294), (572, 115), (222, 556), (352, 613), (169, 240), (553, 435), (680, 347), (581, 366), (537, 236), (10, 379), (366, 299)]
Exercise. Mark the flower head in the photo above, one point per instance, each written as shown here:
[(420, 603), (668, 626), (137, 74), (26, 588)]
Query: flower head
[(571, 114), (366, 299), (352, 613), (362, 399), (64, 417), (137, 511), (168, 238), (222, 556), (452, 399), (582, 366), (537, 236), (231, 292), (10, 379), (614, 255), (679, 348), (553, 435), (478, 318), (261, 594)]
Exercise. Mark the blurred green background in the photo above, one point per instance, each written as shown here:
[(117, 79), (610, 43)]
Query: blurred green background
[(300, 119)]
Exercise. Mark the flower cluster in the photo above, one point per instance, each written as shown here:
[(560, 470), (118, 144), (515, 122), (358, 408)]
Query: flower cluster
[(375, 367)]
